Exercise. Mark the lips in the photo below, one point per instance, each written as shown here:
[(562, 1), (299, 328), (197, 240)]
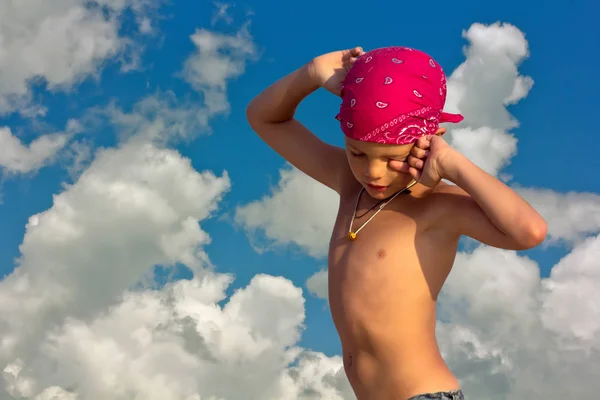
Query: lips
[(377, 187)]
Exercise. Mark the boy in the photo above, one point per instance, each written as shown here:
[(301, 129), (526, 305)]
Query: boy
[(398, 226)]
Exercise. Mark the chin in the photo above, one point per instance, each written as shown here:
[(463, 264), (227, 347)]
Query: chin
[(387, 191), (378, 193)]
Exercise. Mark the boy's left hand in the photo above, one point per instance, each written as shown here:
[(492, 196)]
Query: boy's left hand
[(426, 161)]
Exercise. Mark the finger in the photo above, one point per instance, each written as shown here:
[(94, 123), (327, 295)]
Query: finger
[(415, 173), (419, 152), (356, 51), (399, 166), (415, 162), (423, 142)]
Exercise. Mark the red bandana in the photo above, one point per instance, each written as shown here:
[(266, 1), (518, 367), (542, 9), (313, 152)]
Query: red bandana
[(394, 95)]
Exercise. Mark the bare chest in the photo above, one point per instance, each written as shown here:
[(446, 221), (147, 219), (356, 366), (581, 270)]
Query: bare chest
[(383, 248), (392, 263)]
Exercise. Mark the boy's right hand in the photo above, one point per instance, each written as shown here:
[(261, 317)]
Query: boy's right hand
[(329, 70)]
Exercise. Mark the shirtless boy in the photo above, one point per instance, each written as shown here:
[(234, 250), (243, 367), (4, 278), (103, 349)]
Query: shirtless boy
[(392, 247)]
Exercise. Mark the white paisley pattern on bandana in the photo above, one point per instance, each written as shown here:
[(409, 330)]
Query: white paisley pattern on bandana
[(393, 95)]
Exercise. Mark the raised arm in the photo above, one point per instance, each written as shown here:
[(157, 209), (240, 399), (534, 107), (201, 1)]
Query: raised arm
[(480, 206), (271, 116)]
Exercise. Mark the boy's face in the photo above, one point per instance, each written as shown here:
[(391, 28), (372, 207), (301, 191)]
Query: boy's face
[(369, 164)]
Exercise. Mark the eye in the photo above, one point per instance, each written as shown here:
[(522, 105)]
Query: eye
[(356, 154)]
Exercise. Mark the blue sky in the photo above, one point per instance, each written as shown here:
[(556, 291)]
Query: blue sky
[(553, 150)]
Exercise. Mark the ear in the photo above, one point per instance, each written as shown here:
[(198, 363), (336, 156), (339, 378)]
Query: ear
[(440, 132)]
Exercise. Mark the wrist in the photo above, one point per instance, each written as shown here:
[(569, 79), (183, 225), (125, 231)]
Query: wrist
[(311, 71), (450, 165)]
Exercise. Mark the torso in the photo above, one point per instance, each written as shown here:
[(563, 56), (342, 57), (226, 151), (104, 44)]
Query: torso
[(383, 289)]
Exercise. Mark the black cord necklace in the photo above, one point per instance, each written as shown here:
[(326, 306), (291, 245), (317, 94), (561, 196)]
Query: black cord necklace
[(378, 203), (352, 235)]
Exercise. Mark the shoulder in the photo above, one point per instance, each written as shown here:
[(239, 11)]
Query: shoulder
[(445, 191), (448, 204)]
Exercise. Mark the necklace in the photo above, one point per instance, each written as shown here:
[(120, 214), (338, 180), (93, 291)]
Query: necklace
[(352, 235), (370, 209)]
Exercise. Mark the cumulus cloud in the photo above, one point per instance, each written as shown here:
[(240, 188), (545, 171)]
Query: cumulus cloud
[(163, 117), (178, 343), (160, 118), (511, 335), (317, 284), (59, 43), (571, 216), (73, 325), (482, 87), (133, 208), (299, 211), (221, 13), (19, 158), (218, 58)]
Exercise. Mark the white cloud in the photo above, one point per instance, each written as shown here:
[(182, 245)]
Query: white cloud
[(219, 58), (78, 156), (512, 335), (162, 117), (221, 13), (60, 43), (300, 211), (71, 327), (18, 158), (159, 118), (177, 343), (317, 284), (481, 88), (571, 307), (488, 148), (571, 216), (133, 208)]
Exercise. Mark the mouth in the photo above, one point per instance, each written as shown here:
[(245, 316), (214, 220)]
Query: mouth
[(377, 188)]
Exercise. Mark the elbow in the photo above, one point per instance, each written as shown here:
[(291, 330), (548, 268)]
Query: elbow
[(536, 234), (252, 112), (257, 116), (254, 117)]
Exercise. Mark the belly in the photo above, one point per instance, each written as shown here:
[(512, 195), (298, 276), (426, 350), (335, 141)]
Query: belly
[(381, 311)]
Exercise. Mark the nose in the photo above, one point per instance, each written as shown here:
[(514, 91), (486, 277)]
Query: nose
[(375, 169)]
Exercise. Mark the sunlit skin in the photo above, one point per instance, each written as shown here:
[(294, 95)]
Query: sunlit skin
[(382, 165), (383, 286)]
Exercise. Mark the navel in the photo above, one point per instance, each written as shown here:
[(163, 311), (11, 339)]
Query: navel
[(381, 254)]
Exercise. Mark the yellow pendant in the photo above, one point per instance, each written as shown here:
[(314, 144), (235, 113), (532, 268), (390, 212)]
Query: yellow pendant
[(352, 236)]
